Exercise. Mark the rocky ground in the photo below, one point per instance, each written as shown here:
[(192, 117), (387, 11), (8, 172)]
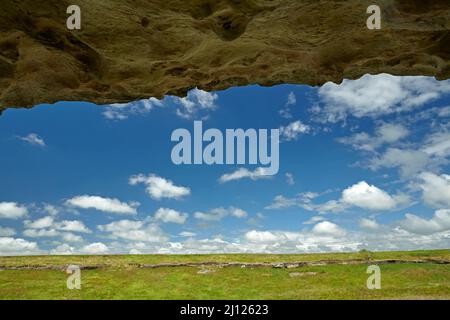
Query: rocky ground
[(404, 275)]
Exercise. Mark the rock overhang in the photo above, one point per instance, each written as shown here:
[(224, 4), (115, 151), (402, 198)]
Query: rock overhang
[(130, 50)]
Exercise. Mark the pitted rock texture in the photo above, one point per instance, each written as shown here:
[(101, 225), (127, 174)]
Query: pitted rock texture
[(132, 49)]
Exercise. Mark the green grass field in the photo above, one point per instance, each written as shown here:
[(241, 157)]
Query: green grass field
[(120, 277)]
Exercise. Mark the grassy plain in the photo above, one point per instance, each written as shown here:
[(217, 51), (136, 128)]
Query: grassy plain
[(121, 277)]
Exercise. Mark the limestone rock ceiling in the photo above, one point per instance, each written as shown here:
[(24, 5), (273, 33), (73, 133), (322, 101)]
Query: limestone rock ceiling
[(133, 49)]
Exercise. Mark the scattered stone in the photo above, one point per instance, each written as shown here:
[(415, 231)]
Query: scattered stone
[(205, 271), (301, 274), (215, 265)]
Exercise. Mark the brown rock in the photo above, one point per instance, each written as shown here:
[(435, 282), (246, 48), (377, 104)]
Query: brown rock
[(128, 50)]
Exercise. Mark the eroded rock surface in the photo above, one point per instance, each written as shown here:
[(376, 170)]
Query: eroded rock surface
[(133, 49)]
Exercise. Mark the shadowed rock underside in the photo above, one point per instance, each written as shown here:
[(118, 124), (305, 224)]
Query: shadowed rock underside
[(133, 49)]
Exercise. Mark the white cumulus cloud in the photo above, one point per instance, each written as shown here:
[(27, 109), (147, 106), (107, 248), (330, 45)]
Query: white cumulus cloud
[(386, 133), (41, 233), (436, 189), (134, 231), (293, 130), (187, 234), (103, 204), (121, 225), (12, 210), (159, 188), (41, 223), (121, 111), (7, 232), (170, 216), (286, 111), (33, 139), (70, 237), (48, 227), (261, 236), (360, 195), (220, 213), (376, 95), (438, 223), (95, 248), (368, 196), (326, 228), (369, 224), (73, 226), (242, 173), (195, 102), (17, 247), (63, 249)]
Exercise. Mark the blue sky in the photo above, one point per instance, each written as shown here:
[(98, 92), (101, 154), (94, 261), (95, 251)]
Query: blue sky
[(363, 164)]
